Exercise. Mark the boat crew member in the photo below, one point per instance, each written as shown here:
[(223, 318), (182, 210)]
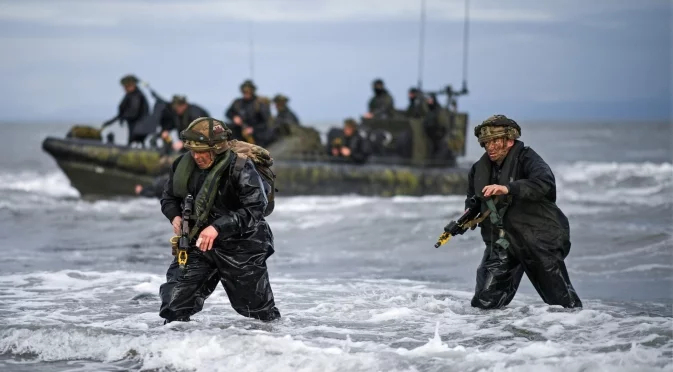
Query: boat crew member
[(352, 145), (231, 240), (179, 114), (381, 105), (526, 232), (250, 116), (436, 125), (417, 105), (285, 117), (132, 108)]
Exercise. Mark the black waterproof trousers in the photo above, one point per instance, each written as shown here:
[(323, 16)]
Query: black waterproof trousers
[(244, 277), (500, 272)]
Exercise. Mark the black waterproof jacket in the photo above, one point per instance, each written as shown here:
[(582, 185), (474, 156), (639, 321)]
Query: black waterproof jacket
[(533, 220), (171, 120), (238, 210)]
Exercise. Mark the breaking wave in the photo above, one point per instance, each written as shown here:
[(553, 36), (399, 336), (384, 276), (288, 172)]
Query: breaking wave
[(630, 183), (102, 319)]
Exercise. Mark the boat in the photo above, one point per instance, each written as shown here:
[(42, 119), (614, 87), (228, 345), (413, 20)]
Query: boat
[(301, 163)]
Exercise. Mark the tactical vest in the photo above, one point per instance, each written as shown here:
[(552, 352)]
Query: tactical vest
[(205, 198)]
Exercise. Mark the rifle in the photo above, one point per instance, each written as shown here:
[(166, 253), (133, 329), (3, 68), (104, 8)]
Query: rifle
[(468, 220), (180, 243)]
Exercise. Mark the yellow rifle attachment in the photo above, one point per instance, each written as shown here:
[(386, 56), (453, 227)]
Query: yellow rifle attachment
[(182, 258), (443, 239)]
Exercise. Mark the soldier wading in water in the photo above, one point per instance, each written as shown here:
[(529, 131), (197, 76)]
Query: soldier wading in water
[(234, 241), (530, 234)]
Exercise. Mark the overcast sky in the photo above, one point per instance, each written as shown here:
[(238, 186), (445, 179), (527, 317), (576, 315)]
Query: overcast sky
[(529, 59)]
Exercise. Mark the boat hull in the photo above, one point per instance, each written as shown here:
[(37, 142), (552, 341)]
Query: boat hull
[(97, 169)]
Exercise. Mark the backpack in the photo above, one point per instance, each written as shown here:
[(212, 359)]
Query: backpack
[(262, 161)]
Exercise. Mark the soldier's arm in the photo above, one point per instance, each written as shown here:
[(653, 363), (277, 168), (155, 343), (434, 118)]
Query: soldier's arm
[(537, 178), (170, 203), (253, 202), (120, 110)]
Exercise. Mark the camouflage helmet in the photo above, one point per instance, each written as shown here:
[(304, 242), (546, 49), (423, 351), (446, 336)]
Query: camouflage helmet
[(128, 80), (179, 99), (248, 84), (279, 98), (206, 134), (497, 126)]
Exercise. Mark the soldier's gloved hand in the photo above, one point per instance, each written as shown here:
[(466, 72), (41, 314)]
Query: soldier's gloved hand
[(206, 239), (177, 221)]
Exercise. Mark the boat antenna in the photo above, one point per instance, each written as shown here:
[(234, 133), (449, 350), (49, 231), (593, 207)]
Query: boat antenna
[(251, 46), (465, 43), (421, 47)]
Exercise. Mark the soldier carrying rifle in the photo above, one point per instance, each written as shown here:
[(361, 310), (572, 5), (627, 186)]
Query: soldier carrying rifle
[(512, 196)]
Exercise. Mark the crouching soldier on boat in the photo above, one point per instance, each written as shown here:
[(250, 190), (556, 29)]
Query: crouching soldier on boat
[(525, 231), (229, 239), (351, 145)]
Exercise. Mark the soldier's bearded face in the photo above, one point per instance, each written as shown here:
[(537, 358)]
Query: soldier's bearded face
[(498, 148), (203, 159), (247, 94)]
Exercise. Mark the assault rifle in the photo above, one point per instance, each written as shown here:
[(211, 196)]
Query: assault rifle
[(468, 220), (180, 243)]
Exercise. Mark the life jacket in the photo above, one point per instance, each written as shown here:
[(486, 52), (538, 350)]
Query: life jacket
[(205, 197)]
